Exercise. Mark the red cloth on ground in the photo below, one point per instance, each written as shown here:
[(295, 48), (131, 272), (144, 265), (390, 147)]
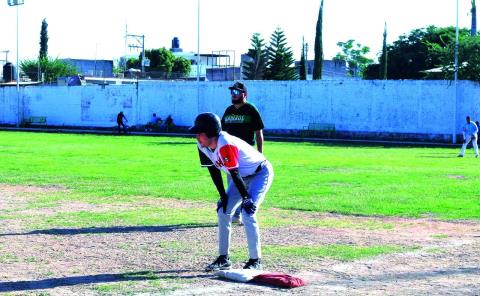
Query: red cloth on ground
[(279, 279)]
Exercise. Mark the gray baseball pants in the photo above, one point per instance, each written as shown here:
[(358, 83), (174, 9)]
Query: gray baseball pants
[(257, 186), (469, 138)]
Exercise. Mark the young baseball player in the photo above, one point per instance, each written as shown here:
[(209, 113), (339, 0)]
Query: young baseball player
[(470, 131), (251, 177)]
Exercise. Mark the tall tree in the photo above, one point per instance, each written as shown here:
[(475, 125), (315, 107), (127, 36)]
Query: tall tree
[(44, 40), (318, 60), (255, 68), (411, 54), (280, 65), (354, 54), (133, 63), (469, 58), (422, 49), (303, 63), (473, 31), (384, 56), (161, 60), (181, 67)]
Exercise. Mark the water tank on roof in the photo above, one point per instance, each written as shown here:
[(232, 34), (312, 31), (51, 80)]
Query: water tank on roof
[(8, 72), (175, 42), (176, 45)]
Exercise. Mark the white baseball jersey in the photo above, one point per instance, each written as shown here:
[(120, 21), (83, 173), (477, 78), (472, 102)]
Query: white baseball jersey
[(470, 129), (231, 152)]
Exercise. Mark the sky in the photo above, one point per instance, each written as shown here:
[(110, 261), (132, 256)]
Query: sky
[(95, 29)]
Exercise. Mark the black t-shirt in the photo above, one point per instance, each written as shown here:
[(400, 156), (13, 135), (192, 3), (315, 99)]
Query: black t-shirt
[(242, 122), (120, 118)]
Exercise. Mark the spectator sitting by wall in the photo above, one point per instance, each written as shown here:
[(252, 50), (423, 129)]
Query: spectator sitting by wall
[(168, 124), (154, 123)]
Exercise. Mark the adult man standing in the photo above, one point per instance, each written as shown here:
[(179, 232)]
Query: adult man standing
[(121, 119), (470, 131), (243, 121), (251, 177)]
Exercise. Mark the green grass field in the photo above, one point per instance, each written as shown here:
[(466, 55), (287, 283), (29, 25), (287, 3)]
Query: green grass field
[(352, 180)]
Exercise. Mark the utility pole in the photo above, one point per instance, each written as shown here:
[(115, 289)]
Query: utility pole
[(198, 40), (95, 64), (140, 44), (17, 3), (125, 49), (306, 57), (454, 132)]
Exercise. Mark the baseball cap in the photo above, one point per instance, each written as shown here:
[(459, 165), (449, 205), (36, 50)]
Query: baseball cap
[(208, 123), (238, 86)]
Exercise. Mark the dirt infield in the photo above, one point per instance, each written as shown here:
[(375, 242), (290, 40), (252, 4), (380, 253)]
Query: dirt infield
[(441, 257)]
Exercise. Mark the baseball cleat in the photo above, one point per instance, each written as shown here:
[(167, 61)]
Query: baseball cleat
[(222, 263), (253, 264)]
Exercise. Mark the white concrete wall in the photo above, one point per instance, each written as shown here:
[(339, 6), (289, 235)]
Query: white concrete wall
[(415, 107), (8, 105)]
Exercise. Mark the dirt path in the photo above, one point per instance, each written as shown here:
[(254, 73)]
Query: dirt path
[(443, 257)]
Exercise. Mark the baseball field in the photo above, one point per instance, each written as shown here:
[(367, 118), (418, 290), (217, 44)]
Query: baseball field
[(122, 215)]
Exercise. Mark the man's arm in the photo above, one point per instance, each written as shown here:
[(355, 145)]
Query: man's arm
[(259, 138), (248, 204), (218, 181), (216, 176), (257, 125), (238, 181)]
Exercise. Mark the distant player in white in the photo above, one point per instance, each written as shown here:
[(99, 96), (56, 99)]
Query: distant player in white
[(251, 176), (470, 133)]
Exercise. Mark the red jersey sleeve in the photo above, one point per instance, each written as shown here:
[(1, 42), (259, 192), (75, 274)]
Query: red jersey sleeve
[(229, 154)]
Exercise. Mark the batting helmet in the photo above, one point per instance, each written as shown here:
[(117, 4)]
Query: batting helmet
[(207, 123)]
